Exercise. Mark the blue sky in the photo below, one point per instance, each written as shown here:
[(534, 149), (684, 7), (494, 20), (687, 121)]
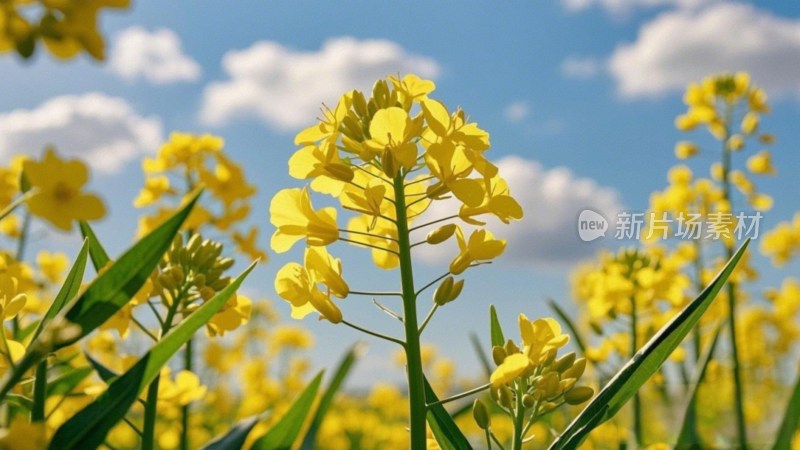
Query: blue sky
[(582, 92)]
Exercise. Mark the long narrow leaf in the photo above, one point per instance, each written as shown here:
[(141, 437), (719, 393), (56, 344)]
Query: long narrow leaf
[(115, 286), (284, 433), (791, 420), (96, 251), (495, 328), (70, 288), (644, 363), (688, 436), (103, 372), (89, 427), (476, 345), (235, 438), (577, 338), (65, 383), (442, 425), (341, 373)]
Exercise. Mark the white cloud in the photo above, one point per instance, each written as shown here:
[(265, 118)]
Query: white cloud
[(682, 46), (104, 131), (155, 56), (581, 67), (285, 88), (625, 7), (551, 199), (517, 111)]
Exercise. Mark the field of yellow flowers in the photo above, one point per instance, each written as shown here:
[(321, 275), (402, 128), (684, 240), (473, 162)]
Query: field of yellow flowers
[(157, 348)]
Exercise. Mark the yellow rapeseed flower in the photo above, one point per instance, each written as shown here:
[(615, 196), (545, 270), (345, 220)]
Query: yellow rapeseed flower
[(295, 218), (59, 198)]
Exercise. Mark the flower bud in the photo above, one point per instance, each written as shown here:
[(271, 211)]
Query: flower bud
[(511, 347), (199, 280), (388, 163), (577, 369), (578, 395), (166, 281), (549, 357), (194, 243), (498, 354), (441, 234), (351, 128), (505, 397), (481, 414), (547, 407), (442, 293), (341, 172), (359, 103), (528, 401), (565, 362), (549, 385), (460, 264)]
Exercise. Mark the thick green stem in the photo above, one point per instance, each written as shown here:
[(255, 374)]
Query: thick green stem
[(151, 405), (638, 432), (187, 364), (416, 378), (21, 245), (519, 421), (149, 429), (741, 425), (39, 392)]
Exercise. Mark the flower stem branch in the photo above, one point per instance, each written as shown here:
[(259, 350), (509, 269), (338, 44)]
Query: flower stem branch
[(434, 222), (461, 395), (428, 318), (374, 333), (376, 247), (440, 278), (362, 233), (377, 293)]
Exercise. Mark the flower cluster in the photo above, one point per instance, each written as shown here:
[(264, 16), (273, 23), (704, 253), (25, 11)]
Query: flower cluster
[(530, 381), (633, 281), (65, 27), (188, 275), (782, 243), (730, 107), (385, 158), (185, 162)]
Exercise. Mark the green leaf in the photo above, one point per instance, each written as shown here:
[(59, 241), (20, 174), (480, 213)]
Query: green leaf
[(342, 371), (103, 372), (791, 420), (70, 288), (442, 425), (19, 400), (496, 330), (284, 433), (235, 437), (644, 363), (570, 325), (476, 345), (13, 205), (98, 254), (88, 428), (688, 436), (116, 285), (66, 382)]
